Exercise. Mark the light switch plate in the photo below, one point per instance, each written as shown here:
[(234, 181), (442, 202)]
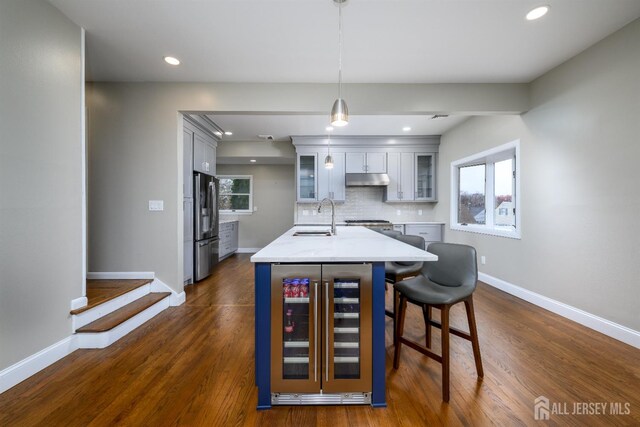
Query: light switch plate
[(156, 205)]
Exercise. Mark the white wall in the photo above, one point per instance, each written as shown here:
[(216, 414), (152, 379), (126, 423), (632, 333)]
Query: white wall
[(135, 156), (579, 177), (40, 176), (273, 195)]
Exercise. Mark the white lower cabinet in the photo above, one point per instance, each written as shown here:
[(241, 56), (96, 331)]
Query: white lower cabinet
[(429, 232), (228, 239)]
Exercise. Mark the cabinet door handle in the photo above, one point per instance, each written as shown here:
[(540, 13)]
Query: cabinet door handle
[(326, 332), (315, 332)]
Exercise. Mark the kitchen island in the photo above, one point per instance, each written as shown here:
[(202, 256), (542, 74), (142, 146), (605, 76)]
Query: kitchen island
[(319, 316)]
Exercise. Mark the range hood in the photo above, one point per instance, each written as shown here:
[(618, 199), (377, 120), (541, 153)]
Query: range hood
[(366, 179)]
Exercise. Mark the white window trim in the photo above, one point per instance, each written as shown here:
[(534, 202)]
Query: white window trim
[(492, 155), (240, 211)]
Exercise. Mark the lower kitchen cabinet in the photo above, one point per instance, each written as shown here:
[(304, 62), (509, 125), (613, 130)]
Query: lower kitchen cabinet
[(429, 232), (228, 239)]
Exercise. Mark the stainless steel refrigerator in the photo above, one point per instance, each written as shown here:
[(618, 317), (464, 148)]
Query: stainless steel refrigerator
[(206, 241)]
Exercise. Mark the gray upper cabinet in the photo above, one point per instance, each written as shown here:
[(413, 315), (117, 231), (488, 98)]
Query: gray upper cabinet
[(425, 174), (366, 162), (410, 163), (306, 175), (187, 163), (331, 181), (204, 154), (401, 177)]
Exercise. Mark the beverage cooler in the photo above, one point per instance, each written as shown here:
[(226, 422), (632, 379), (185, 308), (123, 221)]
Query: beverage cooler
[(321, 334)]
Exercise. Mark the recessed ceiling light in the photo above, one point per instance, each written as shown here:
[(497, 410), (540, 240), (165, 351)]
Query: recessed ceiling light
[(329, 128), (252, 160), (538, 12), (406, 128), (228, 133), (171, 60)]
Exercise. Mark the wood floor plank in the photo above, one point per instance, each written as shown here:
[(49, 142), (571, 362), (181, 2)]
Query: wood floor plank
[(192, 365)]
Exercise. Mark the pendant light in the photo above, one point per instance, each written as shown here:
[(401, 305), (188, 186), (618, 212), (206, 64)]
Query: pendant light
[(328, 161), (339, 112)]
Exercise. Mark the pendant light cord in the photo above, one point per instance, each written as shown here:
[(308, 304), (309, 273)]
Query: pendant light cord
[(340, 50)]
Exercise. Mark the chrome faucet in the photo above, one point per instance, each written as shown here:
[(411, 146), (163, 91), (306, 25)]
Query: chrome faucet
[(333, 214)]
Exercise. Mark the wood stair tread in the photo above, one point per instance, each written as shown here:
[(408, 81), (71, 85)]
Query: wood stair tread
[(123, 314), (101, 291)]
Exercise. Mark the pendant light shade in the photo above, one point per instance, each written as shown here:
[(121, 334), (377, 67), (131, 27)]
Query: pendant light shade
[(328, 162), (339, 113)]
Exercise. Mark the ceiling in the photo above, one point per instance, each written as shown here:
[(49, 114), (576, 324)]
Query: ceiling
[(385, 41), (247, 127)]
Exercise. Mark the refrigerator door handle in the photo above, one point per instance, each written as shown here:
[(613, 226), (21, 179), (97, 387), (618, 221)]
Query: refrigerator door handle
[(326, 332), (315, 332), (198, 216)]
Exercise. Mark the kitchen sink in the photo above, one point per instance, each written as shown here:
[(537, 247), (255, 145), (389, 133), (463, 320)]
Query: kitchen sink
[(311, 233)]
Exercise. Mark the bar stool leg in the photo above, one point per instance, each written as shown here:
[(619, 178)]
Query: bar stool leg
[(426, 313), (445, 352), (399, 331), (471, 317)]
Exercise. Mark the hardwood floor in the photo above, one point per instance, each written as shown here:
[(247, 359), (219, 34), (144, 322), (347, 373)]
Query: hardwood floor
[(193, 365)]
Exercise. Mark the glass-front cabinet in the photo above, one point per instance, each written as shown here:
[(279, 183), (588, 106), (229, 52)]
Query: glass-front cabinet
[(425, 173), (307, 177), (321, 333)]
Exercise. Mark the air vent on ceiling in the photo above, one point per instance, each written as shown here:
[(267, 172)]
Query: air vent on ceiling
[(266, 137), (439, 116)]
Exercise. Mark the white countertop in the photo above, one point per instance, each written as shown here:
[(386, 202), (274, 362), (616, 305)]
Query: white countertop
[(350, 244), (419, 223)]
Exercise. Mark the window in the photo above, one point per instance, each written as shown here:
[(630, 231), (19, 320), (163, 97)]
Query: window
[(484, 189), (236, 194)]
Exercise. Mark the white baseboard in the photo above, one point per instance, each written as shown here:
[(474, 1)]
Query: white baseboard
[(105, 339), (123, 275), (247, 250), (604, 326), (25, 368), (175, 299), (79, 303)]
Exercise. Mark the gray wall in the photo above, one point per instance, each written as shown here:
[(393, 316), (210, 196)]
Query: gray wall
[(579, 178), (40, 176), (273, 194), (135, 154)]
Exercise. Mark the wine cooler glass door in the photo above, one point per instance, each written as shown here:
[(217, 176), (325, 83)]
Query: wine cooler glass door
[(347, 322), (295, 328)]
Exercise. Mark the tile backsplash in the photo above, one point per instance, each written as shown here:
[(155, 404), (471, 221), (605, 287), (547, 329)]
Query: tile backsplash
[(365, 203)]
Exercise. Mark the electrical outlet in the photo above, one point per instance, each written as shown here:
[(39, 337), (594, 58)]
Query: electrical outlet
[(305, 213), (156, 205), (483, 260), (314, 212), (255, 209), (419, 211), (398, 212)]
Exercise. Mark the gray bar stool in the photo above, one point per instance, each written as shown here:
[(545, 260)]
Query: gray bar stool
[(395, 271), (443, 283)]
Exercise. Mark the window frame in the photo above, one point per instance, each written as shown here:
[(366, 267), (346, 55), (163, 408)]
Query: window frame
[(248, 211), (488, 158)]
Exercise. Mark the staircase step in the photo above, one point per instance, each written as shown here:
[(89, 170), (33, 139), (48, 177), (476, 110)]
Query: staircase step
[(123, 314), (101, 291)]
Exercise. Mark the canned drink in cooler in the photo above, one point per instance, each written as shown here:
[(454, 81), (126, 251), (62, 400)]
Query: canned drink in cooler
[(286, 288), (304, 288), (295, 288)]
